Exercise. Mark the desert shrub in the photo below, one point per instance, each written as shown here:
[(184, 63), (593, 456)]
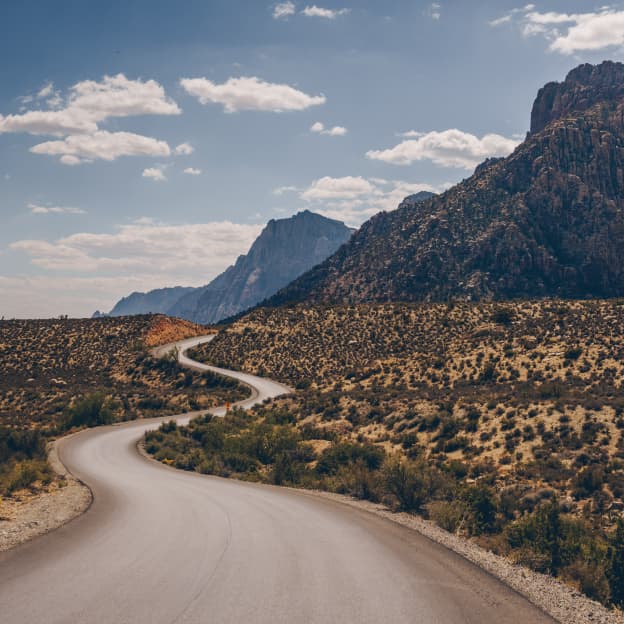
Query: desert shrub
[(481, 504), (23, 475), (88, 411), (411, 483), (20, 444), (345, 453), (615, 565), (590, 577), (502, 315), (450, 515), (588, 481)]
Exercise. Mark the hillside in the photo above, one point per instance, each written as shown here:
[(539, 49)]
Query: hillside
[(547, 221), (56, 375), (524, 386)]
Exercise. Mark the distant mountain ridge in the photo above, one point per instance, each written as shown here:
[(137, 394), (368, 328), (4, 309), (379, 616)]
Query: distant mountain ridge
[(285, 249), (547, 221), (152, 302)]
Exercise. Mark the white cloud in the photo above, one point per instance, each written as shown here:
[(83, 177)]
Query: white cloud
[(70, 160), (102, 145), (184, 149), (499, 21), (282, 190), (319, 128), (154, 173), (200, 249), (348, 187), (355, 199), (55, 123), (250, 93), (46, 91), (89, 103), (315, 11), (450, 148), (40, 209), (283, 10), (193, 171), (570, 32), (434, 11)]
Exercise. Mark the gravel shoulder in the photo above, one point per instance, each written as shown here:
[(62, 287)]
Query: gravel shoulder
[(31, 515)]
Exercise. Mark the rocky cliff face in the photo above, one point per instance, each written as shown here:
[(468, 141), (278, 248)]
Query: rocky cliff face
[(547, 221), (584, 87), (285, 249)]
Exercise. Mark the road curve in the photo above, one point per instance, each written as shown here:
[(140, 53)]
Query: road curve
[(165, 546)]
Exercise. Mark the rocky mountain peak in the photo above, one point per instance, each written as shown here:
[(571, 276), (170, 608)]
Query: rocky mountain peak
[(584, 86)]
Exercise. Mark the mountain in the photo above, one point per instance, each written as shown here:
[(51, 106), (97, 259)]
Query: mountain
[(285, 249), (154, 301), (547, 221)]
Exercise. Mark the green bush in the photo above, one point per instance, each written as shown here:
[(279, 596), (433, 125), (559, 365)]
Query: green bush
[(88, 411), (23, 475), (411, 483)]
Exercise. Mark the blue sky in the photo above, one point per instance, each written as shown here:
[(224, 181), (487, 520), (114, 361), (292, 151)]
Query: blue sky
[(145, 143)]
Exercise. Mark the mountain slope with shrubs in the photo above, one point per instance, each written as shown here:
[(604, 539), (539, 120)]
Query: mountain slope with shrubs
[(547, 221)]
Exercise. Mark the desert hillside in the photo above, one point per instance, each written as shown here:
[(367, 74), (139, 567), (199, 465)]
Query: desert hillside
[(533, 390), (60, 374)]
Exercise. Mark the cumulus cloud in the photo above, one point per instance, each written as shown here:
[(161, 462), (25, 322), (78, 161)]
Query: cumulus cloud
[(319, 128), (41, 209), (103, 145), (250, 93), (184, 149), (51, 122), (154, 173), (140, 246), (353, 199), (192, 171), (283, 10), (87, 104), (569, 32), (90, 102), (450, 148), (348, 187), (316, 11)]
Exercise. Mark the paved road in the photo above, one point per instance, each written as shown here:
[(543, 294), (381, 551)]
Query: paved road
[(163, 546)]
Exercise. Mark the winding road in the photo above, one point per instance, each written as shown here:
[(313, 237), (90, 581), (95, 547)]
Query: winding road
[(162, 546)]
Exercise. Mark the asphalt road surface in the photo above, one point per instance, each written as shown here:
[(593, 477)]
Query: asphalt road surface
[(160, 545)]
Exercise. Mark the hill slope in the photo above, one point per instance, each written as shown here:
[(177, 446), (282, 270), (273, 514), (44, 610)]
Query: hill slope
[(546, 221)]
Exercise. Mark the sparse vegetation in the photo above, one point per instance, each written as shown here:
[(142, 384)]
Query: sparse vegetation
[(58, 375), (503, 422)]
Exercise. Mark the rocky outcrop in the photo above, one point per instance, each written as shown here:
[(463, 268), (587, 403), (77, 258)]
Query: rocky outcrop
[(547, 221), (584, 87)]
